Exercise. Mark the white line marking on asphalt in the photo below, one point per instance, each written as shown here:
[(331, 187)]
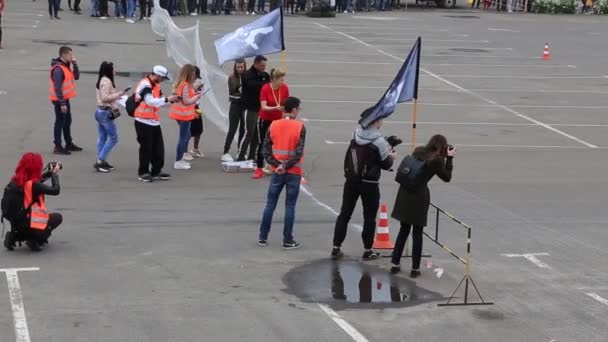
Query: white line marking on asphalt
[(532, 257), (523, 77), (463, 105), (505, 65), (339, 62), (502, 30), (598, 298), (458, 123), (349, 329), (331, 142), (426, 40), (330, 209), (444, 47), (458, 90), (21, 331), (492, 102)]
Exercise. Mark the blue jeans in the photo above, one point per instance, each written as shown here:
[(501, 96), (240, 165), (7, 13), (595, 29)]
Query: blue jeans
[(277, 182), (182, 140), (130, 8), (94, 7), (118, 11), (63, 123), (108, 135)]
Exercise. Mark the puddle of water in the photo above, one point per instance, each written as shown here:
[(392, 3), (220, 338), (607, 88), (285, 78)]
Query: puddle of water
[(353, 284)]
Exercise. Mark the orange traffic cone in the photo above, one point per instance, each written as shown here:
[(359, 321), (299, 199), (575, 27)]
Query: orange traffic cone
[(546, 55), (383, 235)]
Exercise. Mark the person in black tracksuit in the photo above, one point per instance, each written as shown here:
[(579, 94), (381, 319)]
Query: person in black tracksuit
[(236, 115), (252, 82), (367, 154)]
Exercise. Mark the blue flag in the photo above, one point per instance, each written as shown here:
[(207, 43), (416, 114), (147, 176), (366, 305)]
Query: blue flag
[(260, 37), (404, 88)]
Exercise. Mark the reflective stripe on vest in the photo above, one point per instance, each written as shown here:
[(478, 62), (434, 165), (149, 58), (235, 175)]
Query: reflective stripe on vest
[(39, 215), (180, 111), (285, 136), (68, 87), (144, 110)]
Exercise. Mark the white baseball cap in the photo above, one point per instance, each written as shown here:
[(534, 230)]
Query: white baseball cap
[(161, 71)]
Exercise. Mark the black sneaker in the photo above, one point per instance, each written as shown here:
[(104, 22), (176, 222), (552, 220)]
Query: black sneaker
[(336, 253), (262, 243), (9, 240), (162, 176), (414, 273), (107, 165), (100, 167), (370, 255), (145, 178), (61, 151), (395, 269), (73, 148), (33, 245), (291, 245)]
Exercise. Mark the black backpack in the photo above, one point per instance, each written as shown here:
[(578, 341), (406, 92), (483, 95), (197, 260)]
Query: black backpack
[(357, 160), (12, 206), (131, 104), (410, 173)]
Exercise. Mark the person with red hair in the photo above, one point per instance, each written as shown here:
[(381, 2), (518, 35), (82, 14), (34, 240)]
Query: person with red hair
[(29, 179)]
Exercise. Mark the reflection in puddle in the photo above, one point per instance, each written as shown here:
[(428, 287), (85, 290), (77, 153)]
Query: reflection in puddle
[(352, 284)]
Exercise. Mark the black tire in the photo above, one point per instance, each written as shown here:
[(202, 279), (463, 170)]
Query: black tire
[(446, 3)]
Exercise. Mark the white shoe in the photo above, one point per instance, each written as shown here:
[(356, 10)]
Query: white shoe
[(182, 165), (103, 18), (197, 153), (227, 158), (193, 14), (130, 21), (187, 157)]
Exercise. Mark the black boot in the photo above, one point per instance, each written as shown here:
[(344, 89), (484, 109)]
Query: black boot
[(33, 245), (9, 241)]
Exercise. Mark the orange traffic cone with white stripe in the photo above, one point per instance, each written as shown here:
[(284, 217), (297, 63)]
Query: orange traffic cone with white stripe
[(383, 235), (546, 55)]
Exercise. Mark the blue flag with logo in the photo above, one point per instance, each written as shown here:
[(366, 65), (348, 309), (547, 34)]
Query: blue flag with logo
[(259, 37), (403, 89)]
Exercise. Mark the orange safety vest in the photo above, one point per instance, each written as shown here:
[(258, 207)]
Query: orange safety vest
[(68, 87), (285, 136), (39, 215), (144, 110), (181, 112)]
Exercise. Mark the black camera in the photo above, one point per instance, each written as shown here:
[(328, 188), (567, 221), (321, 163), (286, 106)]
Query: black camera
[(51, 166), (393, 140)]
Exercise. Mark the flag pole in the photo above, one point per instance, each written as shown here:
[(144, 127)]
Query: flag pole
[(283, 53), (414, 114)]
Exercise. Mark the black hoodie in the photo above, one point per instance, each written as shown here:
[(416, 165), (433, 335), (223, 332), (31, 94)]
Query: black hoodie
[(252, 83)]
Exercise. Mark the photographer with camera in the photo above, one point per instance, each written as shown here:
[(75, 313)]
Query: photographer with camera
[(368, 153), (413, 198), (23, 203)]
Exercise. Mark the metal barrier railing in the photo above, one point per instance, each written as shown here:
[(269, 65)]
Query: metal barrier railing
[(466, 260)]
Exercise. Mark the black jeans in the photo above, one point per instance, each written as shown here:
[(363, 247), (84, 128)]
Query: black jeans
[(144, 10), (63, 123), (370, 197), (76, 5), (251, 6), (263, 126), (250, 140), (191, 6), (103, 8), (0, 29), (400, 244), (202, 6), (151, 148), (54, 8), (41, 236), (236, 120)]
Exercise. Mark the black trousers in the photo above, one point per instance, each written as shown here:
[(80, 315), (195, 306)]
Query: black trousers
[(251, 6), (144, 8), (263, 126), (202, 6), (404, 232), (151, 148), (53, 8), (250, 140), (103, 8), (370, 198), (191, 6), (41, 236), (76, 5), (0, 29), (236, 120)]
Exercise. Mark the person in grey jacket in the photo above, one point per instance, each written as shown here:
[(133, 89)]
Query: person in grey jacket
[(411, 208), (367, 155)]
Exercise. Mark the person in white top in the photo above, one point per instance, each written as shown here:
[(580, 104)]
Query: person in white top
[(106, 112), (147, 125)]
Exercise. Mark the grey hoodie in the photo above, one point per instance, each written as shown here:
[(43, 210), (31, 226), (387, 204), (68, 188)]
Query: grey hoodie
[(372, 135)]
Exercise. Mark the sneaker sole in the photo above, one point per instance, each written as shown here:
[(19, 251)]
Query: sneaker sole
[(162, 178), (371, 258), (103, 170), (262, 244), (289, 248), (145, 180)]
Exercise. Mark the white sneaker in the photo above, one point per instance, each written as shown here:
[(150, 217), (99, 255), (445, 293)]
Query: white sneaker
[(103, 18), (193, 14), (197, 153), (187, 157), (227, 158), (182, 165), (130, 21)]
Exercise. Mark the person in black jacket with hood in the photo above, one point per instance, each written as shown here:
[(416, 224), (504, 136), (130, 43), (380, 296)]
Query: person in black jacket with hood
[(367, 154), (252, 82)]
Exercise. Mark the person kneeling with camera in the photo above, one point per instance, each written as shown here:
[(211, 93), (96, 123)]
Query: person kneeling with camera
[(24, 204), (413, 198)]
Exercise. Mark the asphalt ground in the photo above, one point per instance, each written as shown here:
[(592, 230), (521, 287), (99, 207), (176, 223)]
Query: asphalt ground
[(177, 260)]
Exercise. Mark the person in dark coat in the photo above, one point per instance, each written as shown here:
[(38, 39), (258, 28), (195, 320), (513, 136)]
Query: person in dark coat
[(411, 208)]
